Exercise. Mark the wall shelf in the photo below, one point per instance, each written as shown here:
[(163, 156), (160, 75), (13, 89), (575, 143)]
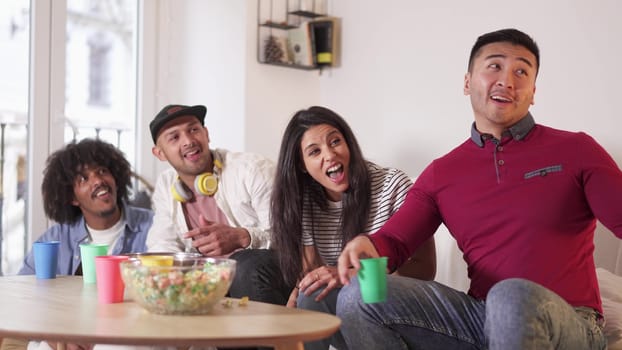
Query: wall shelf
[(295, 34), (307, 14), (283, 26)]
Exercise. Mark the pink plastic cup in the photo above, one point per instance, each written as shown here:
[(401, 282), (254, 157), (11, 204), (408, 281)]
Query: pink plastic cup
[(110, 286)]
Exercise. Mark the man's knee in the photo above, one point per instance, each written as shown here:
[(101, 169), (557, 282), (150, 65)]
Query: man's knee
[(308, 302), (254, 257), (515, 300), (253, 262), (327, 304), (349, 299), (258, 276), (515, 291)]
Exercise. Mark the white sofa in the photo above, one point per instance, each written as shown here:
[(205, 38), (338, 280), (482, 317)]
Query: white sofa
[(451, 270)]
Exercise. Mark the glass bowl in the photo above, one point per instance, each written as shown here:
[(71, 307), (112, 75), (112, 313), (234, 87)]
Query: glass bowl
[(192, 287), (165, 259)]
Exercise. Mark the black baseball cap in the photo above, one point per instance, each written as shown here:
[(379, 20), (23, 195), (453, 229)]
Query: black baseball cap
[(171, 112)]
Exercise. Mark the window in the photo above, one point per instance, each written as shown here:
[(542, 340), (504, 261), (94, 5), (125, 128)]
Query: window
[(14, 43), (99, 71), (78, 81)]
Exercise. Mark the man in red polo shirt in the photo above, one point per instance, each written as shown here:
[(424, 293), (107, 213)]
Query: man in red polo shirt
[(521, 199)]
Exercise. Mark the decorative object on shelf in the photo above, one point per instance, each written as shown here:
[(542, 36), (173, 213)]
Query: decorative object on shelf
[(275, 51), (325, 37), (301, 45), (297, 34)]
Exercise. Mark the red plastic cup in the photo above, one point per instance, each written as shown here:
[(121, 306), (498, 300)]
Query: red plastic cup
[(110, 286)]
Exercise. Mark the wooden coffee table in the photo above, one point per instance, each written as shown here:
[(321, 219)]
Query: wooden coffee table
[(67, 311)]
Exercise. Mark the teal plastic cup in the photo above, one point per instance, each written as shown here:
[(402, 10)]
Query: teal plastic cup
[(373, 279), (88, 252), (46, 259)]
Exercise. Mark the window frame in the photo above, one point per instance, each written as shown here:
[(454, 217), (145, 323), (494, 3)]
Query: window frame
[(46, 96)]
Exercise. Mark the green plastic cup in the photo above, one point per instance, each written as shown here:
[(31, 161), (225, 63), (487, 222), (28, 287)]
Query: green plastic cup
[(373, 279), (88, 252)]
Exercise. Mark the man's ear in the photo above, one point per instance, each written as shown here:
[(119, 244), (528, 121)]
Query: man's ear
[(533, 96), (466, 89), (157, 151), (206, 133)]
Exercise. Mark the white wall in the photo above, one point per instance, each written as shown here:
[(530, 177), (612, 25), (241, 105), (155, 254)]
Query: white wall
[(400, 80), (200, 59)]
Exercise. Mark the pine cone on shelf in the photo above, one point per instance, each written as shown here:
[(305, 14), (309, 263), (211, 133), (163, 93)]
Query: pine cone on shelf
[(273, 52)]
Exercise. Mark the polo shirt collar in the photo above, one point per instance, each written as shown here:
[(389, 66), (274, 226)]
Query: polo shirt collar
[(518, 131)]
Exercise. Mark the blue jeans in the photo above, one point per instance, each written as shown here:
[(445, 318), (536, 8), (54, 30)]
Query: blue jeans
[(517, 315), (328, 305)]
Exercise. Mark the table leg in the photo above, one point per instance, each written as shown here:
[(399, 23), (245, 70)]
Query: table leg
[(60, 345), (296, 345)]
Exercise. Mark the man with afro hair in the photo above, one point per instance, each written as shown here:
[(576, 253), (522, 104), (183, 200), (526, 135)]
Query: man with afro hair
[(85, 191)]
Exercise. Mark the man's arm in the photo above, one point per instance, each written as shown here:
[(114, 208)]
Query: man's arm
[(215, 239), (422, 265), (259, 182), (407, 230), (602, 181), (396, 186), (163, 235)]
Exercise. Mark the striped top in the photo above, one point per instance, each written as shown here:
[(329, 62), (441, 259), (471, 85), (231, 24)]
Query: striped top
[(389, 187)]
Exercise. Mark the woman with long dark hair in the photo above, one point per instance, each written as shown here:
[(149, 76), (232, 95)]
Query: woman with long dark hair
[(326, 193)]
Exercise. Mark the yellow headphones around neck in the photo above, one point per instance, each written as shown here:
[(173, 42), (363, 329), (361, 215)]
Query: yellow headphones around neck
[(205, 184)]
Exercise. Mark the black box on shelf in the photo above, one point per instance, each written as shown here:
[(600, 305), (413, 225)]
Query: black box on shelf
[(326, 36)]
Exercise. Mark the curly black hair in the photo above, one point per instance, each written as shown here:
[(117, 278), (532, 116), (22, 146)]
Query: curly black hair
[(64, 165)]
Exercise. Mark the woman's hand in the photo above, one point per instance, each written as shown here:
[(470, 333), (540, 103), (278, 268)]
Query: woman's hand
[(318, 277), (293, 296)]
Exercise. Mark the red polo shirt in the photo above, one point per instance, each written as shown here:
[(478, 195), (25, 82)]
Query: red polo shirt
[(524, 206)]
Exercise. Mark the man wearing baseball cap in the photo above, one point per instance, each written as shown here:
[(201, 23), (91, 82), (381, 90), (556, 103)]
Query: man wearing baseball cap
[(215, 202)]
